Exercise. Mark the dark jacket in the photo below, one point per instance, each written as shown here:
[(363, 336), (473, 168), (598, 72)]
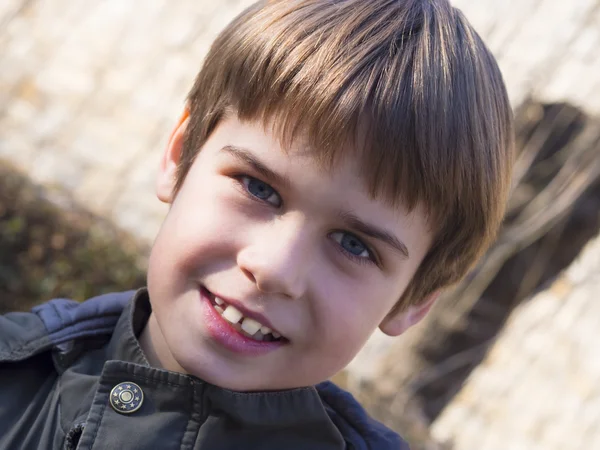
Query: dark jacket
[(65, 366)]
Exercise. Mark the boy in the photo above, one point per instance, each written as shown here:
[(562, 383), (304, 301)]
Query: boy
[(337, 164)]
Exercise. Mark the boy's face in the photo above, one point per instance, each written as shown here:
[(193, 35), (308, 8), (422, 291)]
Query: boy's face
[(283, 241)]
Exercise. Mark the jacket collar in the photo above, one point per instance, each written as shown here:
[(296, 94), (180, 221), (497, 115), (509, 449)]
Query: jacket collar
[(124, 344)]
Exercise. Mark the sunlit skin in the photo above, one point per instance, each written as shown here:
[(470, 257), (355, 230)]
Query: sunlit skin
[(288, 243)]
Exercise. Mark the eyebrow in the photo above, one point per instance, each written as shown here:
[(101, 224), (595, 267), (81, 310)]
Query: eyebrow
[(246, 156), (352, 221), (372, 231)]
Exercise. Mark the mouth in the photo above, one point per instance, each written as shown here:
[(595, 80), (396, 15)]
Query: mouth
[(247, 326)]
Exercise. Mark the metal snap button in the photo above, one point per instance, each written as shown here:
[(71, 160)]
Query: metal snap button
[(126, 397)]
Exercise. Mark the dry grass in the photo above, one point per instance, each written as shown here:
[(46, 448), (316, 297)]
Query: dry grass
[(48, 251)]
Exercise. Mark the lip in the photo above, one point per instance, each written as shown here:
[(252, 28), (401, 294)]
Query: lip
[(228, 337), (246, 312)]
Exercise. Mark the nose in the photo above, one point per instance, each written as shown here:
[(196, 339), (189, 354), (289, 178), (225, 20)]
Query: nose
[(278, 259)]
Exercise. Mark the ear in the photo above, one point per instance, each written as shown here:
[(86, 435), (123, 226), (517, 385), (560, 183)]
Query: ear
[(167, 172), (397, 323)]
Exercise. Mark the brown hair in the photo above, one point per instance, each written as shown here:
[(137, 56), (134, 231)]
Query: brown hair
[(408, 80)]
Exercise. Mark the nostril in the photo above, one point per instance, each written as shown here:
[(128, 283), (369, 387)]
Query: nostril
[(273, 269), (249, 274)]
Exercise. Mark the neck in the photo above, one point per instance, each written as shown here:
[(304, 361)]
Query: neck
[(155, 348)]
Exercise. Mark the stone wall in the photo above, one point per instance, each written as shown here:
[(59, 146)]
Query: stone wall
[(538, 387), (89, 90), (546, 48)]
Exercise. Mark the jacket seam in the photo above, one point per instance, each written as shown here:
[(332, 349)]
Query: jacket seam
[(30, 348), (70, 335), (66, 324), (25, 348), (136, 342), (81, 320), (191, 419), (58, 317), (58, 391), (155, 382), (259, 394), (99, 423)]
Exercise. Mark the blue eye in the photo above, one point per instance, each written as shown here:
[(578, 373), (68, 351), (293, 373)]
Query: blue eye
[(352, 245), (261, 190)]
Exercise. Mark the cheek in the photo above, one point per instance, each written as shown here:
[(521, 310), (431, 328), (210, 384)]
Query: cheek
[(363, 297), (198, 229), (352, 308)]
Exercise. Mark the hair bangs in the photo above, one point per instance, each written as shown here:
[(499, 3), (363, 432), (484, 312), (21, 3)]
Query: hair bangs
[(351, 92)]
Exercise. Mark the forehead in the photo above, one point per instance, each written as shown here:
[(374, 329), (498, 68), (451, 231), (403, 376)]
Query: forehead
[(295, 159), (295, 153)]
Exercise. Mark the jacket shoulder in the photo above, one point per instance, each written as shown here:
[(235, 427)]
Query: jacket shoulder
[(360, 431), (51, 324)]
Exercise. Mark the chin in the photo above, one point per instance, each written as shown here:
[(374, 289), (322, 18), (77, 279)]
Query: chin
[(238, 380)]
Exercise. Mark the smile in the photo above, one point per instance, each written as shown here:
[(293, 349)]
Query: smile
[(247, 326)]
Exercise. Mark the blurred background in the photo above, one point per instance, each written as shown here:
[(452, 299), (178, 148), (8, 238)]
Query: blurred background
[(509, 359)]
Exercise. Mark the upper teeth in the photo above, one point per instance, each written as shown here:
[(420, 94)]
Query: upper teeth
[(233, 315)]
